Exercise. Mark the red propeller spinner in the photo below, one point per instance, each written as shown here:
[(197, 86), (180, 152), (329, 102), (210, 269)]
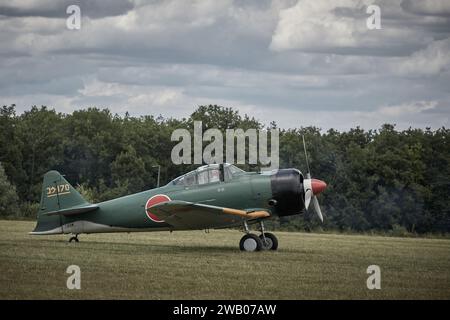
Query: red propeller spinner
[(317, 186)]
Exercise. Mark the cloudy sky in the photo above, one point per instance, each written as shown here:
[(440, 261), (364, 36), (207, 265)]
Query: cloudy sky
[(296, 62)]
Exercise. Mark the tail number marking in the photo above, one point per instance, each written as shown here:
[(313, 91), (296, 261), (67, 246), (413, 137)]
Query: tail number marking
[(59, 189)]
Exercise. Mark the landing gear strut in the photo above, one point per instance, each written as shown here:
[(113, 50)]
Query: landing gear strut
[(268, 240), (251, 242), (75, 238)]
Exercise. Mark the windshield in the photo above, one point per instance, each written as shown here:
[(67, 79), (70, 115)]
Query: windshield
[(207, 174)]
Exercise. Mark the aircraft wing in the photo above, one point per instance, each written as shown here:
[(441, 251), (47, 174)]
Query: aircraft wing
[(183, 214)]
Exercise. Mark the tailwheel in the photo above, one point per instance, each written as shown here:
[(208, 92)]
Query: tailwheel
[(269, 241), (250, 242), (75, 238)]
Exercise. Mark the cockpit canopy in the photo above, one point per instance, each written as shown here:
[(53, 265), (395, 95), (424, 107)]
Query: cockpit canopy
[(207, 174)]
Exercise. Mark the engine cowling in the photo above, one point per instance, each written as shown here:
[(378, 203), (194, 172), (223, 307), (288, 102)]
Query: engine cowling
[(287, 192)]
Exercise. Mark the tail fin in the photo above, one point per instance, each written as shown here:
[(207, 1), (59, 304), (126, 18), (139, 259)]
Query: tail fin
[(57, 196)]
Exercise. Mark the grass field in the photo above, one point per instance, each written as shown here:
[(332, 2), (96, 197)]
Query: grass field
[(196, 265)]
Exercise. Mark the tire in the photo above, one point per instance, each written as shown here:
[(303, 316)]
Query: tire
[(272, 241), (250, 242)]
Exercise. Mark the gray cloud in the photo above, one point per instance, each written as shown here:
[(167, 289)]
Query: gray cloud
[(427, 8), (57, 9), (296, 62)]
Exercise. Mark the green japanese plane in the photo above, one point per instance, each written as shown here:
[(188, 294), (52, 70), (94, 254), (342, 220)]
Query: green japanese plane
[(210, 197)]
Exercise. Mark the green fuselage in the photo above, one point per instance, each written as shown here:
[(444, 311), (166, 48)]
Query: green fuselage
[(249, 190)]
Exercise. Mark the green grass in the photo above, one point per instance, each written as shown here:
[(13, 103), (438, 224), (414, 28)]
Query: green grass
[(196, 265)]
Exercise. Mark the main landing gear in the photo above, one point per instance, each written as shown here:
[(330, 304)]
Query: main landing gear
[(75, 238), (251, 242)]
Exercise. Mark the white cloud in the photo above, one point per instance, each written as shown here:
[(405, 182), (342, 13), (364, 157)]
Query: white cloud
[(340, 26), (313, 24), (406, 108), (413, 114), (61, 103), (161, 98), (434, 59)]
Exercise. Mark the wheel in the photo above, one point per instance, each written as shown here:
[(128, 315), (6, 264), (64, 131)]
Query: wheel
[(271, 242), (250, 242), (74, 239)]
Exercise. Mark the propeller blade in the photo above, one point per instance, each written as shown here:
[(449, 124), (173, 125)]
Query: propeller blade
[(317, 208), (308, 175), (307, 188), (311, 187), (308, 196)]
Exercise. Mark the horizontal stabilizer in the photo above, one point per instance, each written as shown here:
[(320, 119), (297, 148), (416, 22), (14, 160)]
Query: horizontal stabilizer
[(73, 210)]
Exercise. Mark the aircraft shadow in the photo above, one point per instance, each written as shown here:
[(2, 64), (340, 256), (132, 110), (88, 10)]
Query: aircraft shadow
[(140, 248)]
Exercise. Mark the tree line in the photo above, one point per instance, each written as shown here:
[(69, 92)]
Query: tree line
[(378, 180)]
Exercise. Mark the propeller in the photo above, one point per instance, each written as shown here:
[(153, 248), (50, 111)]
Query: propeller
[(312, 187)]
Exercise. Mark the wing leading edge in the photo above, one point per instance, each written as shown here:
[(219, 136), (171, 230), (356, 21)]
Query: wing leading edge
[(189, 215)]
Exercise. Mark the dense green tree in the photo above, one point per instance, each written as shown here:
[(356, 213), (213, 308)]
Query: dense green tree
[(214, 116), (41, 136), (386, 179), (92, 139), (11, 146), (129, 169), (8, 196)]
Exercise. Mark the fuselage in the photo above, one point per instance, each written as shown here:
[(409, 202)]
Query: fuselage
[(244, 191)]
